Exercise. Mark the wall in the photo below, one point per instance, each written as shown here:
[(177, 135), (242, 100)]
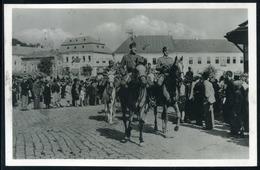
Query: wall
[(18, 66), (95, 60)]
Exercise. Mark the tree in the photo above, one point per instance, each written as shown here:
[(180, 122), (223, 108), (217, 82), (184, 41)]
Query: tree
[(45, 66), (86, 70), (211, 70)]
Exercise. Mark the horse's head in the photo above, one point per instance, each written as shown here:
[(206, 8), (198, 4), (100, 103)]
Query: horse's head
[(150, 79), (141, 70), (111, 78)]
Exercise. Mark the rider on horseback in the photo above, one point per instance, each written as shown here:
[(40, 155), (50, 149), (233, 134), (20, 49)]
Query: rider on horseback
[(130, 84), (163, 65)]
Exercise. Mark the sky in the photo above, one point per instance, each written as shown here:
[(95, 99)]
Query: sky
[(51, 27)]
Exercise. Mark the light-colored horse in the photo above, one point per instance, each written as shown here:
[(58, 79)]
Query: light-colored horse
[(109, 97)]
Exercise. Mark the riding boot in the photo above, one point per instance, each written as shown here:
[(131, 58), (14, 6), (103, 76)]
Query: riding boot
[(166, 94)]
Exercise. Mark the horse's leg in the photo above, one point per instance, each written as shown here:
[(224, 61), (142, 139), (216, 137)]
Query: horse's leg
[(155, 118), (164, 121), (176, 108), (141, 125)]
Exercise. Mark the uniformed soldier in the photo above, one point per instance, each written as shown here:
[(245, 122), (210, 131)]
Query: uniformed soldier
[(111, 67), (163, 65), (129, 60)]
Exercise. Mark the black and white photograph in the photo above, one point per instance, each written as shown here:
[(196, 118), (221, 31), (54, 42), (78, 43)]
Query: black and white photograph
[(156, 84)]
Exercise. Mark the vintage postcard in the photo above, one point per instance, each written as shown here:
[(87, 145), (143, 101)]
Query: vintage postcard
[(155, 84)]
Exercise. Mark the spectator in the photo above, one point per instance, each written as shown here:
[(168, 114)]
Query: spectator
[(55, 91), (37, 93), (209, 100), (229, 97), (47, 94), (198, 93), (68, 94), (24, 94)]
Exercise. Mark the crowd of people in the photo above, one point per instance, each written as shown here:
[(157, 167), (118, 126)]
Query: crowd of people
[(202, 97), (54, 92)]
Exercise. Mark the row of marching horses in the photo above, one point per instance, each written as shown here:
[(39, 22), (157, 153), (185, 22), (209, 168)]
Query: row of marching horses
[(138, 92)]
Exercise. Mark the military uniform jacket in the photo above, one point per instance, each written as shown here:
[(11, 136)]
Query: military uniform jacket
[(129, 60), (162, 62)]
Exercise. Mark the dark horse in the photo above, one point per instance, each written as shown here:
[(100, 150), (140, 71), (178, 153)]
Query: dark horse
[(133, 97), (157, 96)]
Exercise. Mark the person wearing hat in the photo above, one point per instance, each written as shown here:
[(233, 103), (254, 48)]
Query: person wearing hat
[(128, 61), (111, 67), (197, 95), (229, 96), (163, 65), (126, 68)]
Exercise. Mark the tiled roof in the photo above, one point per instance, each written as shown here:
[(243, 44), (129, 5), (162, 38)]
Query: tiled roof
[(84, 44), (19, 50), (154, 44), (42, 54), (204, 46), (147, 44)]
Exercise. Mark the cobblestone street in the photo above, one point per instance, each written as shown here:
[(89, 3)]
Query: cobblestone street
[(83, 133)]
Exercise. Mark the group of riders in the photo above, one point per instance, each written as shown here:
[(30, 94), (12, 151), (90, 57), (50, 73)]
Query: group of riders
[(139, 89)]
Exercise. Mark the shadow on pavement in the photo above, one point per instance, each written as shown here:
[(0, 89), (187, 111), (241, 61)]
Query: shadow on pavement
[(111, 134), (98, 118), (222, 132)]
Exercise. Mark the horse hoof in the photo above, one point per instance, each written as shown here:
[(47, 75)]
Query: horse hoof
[(166, 136), (142, 144), (176, 128)]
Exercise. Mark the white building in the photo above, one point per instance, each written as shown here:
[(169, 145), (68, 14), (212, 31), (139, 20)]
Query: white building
[(19, 52), (81, 51), (197, 53), (30, 62)]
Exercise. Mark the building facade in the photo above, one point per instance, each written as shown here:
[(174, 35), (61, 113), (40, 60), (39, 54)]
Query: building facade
[(79, 52), (20, 52), (197, 54)]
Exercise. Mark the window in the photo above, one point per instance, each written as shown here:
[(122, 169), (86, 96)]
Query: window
[(217, 60), (104, 61), (89, 58), (76, 39), (199, 60), (68, 47), (228, 60), (102, 46), (67, 59), (84, 58), (234, 60), (97, 61), (241, 60), (82, 46), (14, 62), (97, 46), (208, 60), (72, 57), (77, 57), (70, 40), (75, 47), (84, 39), (154, 61), (190, 60)]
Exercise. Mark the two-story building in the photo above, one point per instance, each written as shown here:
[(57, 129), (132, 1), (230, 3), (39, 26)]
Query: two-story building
[(18, 53), (197, 53), (78, 52)]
